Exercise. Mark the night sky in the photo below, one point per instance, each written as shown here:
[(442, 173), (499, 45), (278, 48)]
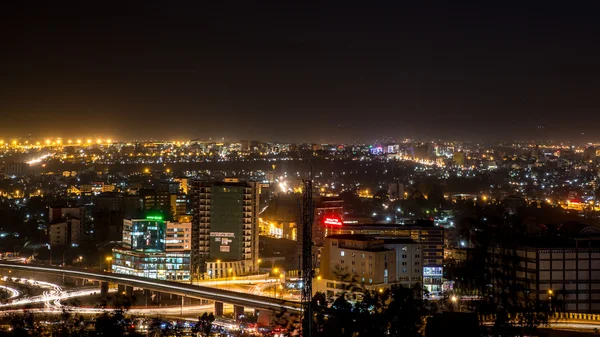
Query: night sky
[(299, 72)]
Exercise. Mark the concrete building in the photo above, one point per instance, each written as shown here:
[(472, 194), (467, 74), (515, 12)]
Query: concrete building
[(348, 260), (409, 261), (424, 232), (179, 236), (225, 228), (566, 272), (66, 232)]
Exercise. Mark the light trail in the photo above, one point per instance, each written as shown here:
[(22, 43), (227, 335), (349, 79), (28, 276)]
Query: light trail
[(201, 293), (13, 292), (50, 297), (39, 159)]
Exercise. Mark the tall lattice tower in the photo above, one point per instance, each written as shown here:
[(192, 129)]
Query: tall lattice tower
[(307, 259)]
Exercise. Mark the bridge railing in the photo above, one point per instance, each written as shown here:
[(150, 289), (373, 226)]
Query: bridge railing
[(553, 317)]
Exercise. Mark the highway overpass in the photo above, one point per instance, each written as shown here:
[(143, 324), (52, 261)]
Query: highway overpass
[(181, 289)]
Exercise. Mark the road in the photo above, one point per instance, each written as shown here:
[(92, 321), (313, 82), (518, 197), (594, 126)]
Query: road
[(187, 290)]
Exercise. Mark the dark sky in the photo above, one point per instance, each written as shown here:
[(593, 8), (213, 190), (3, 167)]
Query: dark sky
[(299, 71)]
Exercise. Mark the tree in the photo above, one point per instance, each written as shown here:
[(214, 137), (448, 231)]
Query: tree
[(395, 312), (205, 323)]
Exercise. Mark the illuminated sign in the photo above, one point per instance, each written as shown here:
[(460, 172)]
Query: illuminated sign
[(222, 234), (154, 217), (332, 221)]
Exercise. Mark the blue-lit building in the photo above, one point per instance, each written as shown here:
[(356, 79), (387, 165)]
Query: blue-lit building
[(154, 248)]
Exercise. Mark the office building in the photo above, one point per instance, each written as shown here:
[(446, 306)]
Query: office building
[(348, 260), (66, 232), (154, 248), (565, 271), (409, 261), (153, 199), (424, 232), (225, 228)]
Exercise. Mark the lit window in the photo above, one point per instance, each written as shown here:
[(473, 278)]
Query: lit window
[(342, 253)]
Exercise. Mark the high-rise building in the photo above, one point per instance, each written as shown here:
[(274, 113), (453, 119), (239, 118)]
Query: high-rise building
[(154, 248), (158, 199), (225, 228)]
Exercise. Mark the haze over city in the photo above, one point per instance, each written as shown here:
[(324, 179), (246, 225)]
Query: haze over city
[(297, 72)]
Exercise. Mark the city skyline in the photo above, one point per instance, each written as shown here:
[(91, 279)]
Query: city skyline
[(292, 72)]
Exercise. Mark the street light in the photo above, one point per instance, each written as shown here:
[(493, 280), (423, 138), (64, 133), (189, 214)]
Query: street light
[(258, 266), (454, 299), (550, 293), (108, 261)]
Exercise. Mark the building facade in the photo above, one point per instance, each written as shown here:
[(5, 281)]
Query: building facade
[(409, 261), (66, 232), (154, 248), (348, 260), (568, 275), (429, 236), (225, 228)]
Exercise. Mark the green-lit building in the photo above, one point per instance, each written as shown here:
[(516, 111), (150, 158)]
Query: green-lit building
[(154, 248), (224, 228)]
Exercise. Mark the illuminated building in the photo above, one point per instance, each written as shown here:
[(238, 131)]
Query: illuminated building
[(158, 200), (181, 205), (225, 228), (566, 270), (424, 232), (348, 259), (409, 261), (154, 248), (328, 211), (66, 232)]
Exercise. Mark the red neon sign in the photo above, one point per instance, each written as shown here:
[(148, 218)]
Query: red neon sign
[(332, 221)]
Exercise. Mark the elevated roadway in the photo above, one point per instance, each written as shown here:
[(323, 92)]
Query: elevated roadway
[(187, 290)]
